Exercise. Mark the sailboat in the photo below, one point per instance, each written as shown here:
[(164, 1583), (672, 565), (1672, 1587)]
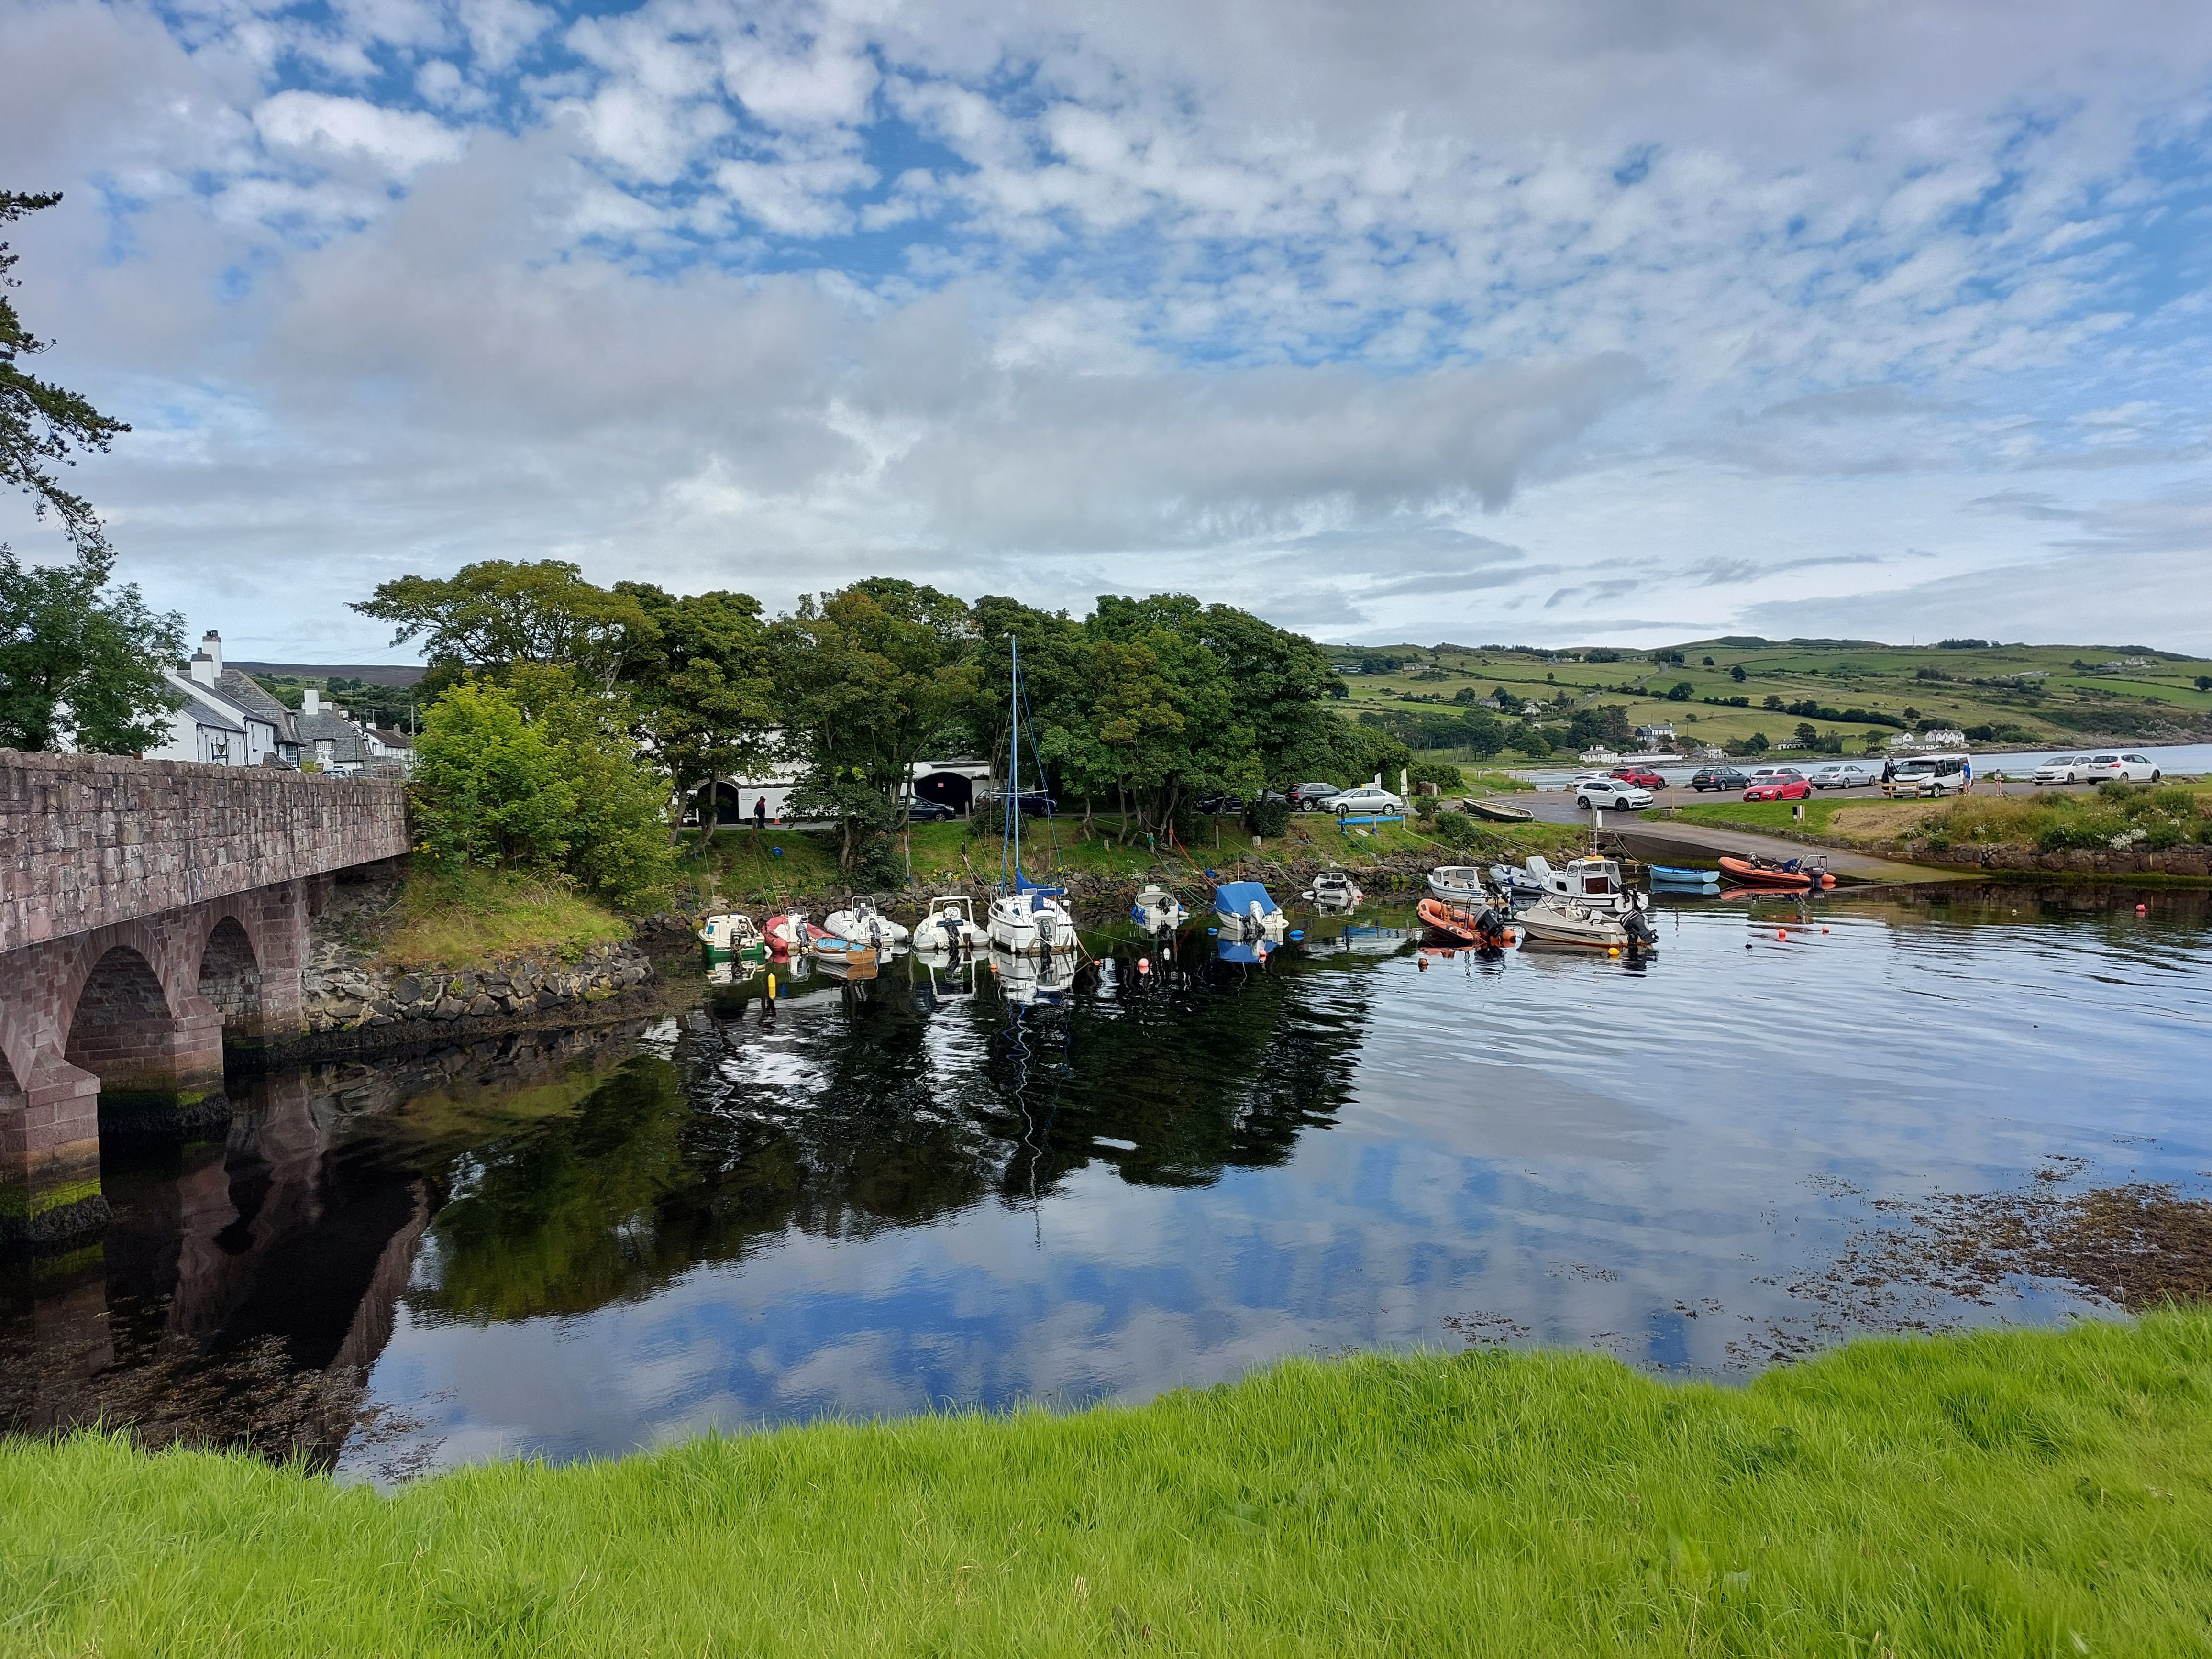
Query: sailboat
[(1025, 919)]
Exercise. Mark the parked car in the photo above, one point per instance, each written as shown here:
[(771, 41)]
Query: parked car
[(1611, 791), (1718, 777), (1219, 805), (1642, 777), (1034, 803), (1364, 799), (2062, 769), (1779, 783), (1927, 777), (1311, 796), (2135, 769), (1843, 774), (921, 809)]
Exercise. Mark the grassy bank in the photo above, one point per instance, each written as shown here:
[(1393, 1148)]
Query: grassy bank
[(2024, 1493), (482, 915)]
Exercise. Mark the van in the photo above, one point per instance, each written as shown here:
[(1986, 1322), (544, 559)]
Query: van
[(1927, 776)]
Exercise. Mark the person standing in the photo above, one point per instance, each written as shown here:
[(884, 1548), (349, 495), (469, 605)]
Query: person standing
[(760, 813)]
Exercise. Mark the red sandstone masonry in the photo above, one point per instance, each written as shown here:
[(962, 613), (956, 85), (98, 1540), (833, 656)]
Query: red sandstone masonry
[(90, 840)]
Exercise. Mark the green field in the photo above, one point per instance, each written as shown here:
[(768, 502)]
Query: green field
[(2055, 705), (2017, 1492)]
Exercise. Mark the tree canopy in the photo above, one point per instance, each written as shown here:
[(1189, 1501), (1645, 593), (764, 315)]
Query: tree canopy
[(496, 614), (81, 661), (41, 424)]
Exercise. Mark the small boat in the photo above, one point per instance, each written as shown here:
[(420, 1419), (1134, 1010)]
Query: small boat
[(1246, 910), (1031, 920), (1156, 909), (1483, 928), (949, 922), (1335, 887), (731, 934), (1593, 881), (1681, 876), (1498, 811), (853, 953), (1459, 884), (790, 932), (864, 920), (1516, 882), (1557, 921), (1792, 875)]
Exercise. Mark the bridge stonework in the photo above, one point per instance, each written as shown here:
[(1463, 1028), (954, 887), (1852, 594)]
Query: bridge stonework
[(151, 912)]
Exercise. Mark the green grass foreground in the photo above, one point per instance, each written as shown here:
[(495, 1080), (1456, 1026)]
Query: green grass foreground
[(2024, 1493)]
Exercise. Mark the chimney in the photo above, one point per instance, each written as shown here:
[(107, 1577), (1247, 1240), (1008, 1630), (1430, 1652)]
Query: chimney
[(211, 643), (310, 701), (204, 669)]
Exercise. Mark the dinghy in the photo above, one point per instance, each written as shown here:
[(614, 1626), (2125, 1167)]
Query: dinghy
[(949, 923), (1156, 909), (731, 934), (853, 953), (1458, 883), (790, 932), (1793, 875), (1335, 887), (1244, 910), (865, 921), (1482, 928), (1498, 812)]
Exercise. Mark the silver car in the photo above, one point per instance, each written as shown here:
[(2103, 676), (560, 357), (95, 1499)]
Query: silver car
[(1364, 800), (1847, 775)]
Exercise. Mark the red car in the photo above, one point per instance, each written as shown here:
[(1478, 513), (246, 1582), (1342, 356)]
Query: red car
[(1639, 776), (1780, 789)]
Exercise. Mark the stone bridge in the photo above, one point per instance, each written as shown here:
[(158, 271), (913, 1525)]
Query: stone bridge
[(151, 912)]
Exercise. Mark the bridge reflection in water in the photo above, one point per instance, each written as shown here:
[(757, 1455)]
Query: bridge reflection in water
[(245, 1286)]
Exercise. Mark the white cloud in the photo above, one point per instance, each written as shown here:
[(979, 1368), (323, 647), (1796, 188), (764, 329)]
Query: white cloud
[(1257, 300)]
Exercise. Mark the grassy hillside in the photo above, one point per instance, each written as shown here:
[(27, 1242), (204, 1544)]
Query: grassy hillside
[(2034, 695), (2007, 1493)]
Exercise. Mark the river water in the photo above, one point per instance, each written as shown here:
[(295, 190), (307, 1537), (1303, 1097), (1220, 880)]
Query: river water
[(912, 1193)]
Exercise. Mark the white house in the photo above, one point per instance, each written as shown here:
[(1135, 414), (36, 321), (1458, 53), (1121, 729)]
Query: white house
[(225, 719)]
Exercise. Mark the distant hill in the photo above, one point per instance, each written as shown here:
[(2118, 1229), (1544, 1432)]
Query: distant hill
[(373, 673)]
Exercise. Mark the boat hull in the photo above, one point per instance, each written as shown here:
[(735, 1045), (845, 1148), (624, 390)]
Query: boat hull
[(1553, 923), (1464, 925), (1498, 814), (1752, 872)]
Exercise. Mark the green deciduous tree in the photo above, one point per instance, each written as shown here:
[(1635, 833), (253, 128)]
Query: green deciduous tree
[(540, 772), (701, 677), (869, 678), (41, 423), (492, 615), (81, 661)]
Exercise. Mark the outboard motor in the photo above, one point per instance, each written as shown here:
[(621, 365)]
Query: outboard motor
[(1641, 935)]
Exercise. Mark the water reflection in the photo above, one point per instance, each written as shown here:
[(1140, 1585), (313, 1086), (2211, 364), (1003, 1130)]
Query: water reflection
[(933, 1185)]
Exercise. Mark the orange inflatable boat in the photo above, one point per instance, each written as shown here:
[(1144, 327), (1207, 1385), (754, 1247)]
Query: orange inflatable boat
[(1794, 876), (1466, 924)]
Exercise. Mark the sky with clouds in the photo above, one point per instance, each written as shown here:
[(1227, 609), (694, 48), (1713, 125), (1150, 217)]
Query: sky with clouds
[(1620, 321)]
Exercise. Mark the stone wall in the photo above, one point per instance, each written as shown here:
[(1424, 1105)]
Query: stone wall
[(344, 995), (87, 841), (2188, 863)]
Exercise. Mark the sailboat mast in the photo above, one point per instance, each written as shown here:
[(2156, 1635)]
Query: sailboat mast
[(1014, 748)]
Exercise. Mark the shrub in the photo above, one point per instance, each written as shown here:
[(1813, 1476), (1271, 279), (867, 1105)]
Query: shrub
[(1267, 818), (1455, 828)]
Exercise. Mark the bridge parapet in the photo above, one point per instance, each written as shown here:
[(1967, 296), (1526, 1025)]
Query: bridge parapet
[(89, 840)]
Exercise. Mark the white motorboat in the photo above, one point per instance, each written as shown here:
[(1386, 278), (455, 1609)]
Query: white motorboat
[(731, 935), (1334, 889), (1554, 920), (1459, 884), (1594, 882), (1518, 883), (951, 921), (1031, 921), (1156, 909), (864, 922)]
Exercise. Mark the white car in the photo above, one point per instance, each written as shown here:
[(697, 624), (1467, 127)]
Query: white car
[(2135, 769), (1365, 800), (2062, 769), (1846, 774), (1611, 791)]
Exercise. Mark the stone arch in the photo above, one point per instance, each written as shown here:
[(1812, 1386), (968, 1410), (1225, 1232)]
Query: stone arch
[(230, 979), (160, 1067)]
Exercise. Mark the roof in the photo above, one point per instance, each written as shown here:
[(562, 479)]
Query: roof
[(244, 690), (206, 714)]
